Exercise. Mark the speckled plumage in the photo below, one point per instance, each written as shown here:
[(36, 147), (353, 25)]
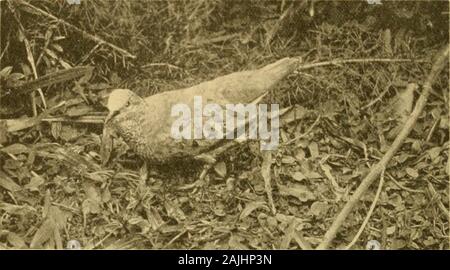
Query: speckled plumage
[(145, 124)]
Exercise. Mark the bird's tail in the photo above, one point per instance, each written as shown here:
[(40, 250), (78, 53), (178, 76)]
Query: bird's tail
[(246, 86)]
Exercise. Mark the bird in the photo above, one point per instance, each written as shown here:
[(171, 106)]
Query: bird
[(145, 123)]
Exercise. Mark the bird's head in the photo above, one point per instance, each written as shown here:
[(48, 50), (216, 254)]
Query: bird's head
[(120, 99)]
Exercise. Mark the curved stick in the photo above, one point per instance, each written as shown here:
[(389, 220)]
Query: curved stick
[(438, 65)]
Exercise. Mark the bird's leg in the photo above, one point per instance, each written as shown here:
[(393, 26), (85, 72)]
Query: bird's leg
[(209, 161), (202, 178)]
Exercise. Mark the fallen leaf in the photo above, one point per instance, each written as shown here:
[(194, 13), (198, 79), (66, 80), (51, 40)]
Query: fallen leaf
[(318, 208), (402, 103), (313, 149), (412, 172), (434, 152), (312, 175), (90, 206), (289, 234), (288, 160), (221, 169), (298, 176), (15, 149), (78, 110), (299, 191), (390, 230), (16, 209), (5, 72), (154, 218), (34, 183), (43, 234), (174, 211), (444, 122), (327, 170), (15, 240), (235, 243), (252, 206), (300, 154), (7, 183)]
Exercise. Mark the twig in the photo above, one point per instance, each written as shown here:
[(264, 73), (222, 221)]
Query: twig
[(305, 133), (4, 51), (338, 62), (436, 195), (175, 238), (89, 53), (302, 241), (13, 125), (73, 210), (104, 239), (160, 65), (288, 234), (82, 119), (402, 186), (431, 132), (376, 99), (51, 79), (439, 64), (274, 29), (78, 30), (214, 40), (30, 59), (372, 207)]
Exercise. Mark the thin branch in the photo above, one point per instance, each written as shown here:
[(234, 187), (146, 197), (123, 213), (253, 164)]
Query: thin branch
[(78, 30), (339, 62), (95, 119), (6, 49), (214, 40), (305, 133), (159, 65), (439, 64), (436, 195), (402, 186), (377, 99), (372, 207), (50, 79), (30, 59), (13, 125)]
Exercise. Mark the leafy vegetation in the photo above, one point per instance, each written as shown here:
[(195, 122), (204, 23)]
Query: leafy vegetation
[(54, 187)]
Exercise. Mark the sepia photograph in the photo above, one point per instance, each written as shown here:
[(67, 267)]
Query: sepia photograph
[(224, 125)]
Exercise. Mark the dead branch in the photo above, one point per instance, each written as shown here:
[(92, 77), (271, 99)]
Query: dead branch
[(339, 62), (438, 65), (30, 59), (78, 30), (50, 79), (369, 213)]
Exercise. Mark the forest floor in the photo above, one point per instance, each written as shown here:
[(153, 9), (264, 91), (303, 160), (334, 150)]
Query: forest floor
[(54, 187)]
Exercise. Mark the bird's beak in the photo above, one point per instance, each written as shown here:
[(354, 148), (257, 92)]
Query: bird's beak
[(110, 116)]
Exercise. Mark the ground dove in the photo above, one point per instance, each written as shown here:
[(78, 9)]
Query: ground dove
[(145, 123)]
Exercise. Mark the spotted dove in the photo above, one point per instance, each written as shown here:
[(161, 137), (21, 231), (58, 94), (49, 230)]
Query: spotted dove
[(145, 123)]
